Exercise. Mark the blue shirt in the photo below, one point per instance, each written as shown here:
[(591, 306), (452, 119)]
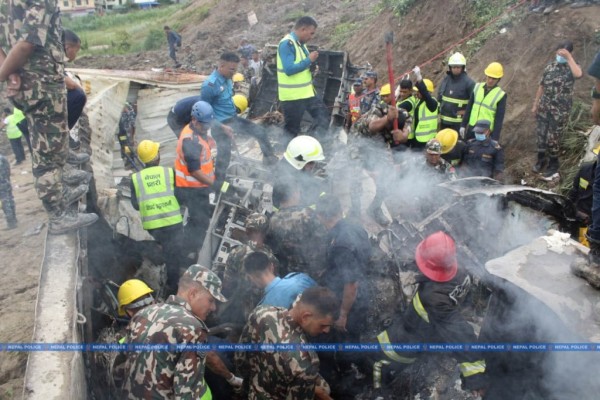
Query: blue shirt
[(218, 92), (183, 109), (283, 292), (287, 53)]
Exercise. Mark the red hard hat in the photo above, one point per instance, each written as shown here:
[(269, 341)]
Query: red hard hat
[(436, 257)]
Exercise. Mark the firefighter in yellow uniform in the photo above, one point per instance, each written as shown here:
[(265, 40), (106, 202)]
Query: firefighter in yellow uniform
[(425, 114), (153, 194)]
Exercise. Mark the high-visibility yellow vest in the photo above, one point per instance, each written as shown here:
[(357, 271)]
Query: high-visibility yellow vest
[(485, 106), (297, 86), (12, 130), (155, 190), (412, 100), (460, 103), (427, 125)]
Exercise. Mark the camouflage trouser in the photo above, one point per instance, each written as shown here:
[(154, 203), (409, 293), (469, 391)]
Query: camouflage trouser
[(44, 104), (549, 132), (6, 196)]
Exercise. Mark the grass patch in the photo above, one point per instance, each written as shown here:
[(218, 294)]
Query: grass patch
[(399, 7), (573, 145), (294, 15), (341, 33)]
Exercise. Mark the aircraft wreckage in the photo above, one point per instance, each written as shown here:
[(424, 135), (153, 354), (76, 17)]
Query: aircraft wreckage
[(508, 237)]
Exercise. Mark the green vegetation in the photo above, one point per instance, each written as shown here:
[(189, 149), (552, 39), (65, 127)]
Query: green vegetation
[(294, 15), (129, 32), (399, 7), (573, 145), (341, 33)]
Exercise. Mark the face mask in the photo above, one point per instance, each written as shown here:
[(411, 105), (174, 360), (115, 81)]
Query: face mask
[(561, 59), (480, 137)]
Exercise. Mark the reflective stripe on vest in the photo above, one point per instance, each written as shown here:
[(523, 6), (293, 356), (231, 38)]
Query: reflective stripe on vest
[(419, 307), (207, 395), (384, 340), (583, 183), (484, 106), (155, 191), (413, 102), (460, 103), (183, 178), (12, 130), (471, 368), (428, 124), (297, 86)]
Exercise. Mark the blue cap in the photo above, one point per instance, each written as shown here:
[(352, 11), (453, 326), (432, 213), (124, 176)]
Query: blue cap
[(357, 82), (371, 74)]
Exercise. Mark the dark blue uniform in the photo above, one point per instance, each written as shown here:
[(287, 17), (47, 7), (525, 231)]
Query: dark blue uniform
[(483, 158), (181, 113)]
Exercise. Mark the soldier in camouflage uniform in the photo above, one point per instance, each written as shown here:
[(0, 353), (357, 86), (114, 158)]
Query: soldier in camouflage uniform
[(6, 196), (242, 295), (126, 134), (435, 162), (552, 106), (173, 373), (370, 141), (31, 60), (287, 374), (296, 236)]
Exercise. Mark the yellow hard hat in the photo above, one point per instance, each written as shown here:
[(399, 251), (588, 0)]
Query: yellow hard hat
[(130, 291), (448, 138), (241, 103), (147, 150), (428, 85), (494, 70), (238, 77), (385, 90)]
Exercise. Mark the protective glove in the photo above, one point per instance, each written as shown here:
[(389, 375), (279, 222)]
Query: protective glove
[(461, 132), (127, 150), (235, 381), (417, 72)]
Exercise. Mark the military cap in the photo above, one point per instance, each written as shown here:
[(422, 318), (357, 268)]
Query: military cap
[(370, 74), (434, 147), (482, 125), (257, 221), (208, 279), (358, 82)]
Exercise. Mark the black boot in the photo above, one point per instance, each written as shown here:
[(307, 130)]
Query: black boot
[(552, 170), (541, 162)]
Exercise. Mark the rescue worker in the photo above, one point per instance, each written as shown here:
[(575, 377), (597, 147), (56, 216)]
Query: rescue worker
[(217, 91), (242, 296), (295, 88), (13, 133), (348, 255), (6, 195), (454, 92), (287, 374), (299, 164), (452, 148), (581, 194), (370, 139), (488, 101), (425, 116), (405, 98), (483, 155), (589, 269), (241, 103), (195, 174), (126, 134), (174, 42), (277, 292), (296, 235), (434, 314), (31, 64), (354, 99), (153, 194), (371, 96), (435, 162), (552, 106), (173, 372), (181, 114)]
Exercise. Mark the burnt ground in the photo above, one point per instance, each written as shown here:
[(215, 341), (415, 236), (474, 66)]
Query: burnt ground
[(524, 49)]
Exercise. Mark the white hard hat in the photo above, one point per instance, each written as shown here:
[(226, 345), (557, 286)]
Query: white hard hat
[(457, 59), (303, 149)]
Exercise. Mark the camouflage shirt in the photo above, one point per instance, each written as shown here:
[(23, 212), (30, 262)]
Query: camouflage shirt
[(557, 96), (165, 374), (242, 294), (360, 129), (443, 168), (297, 238), (368, 100), (127, 126), (277, 374), (37, 22)]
